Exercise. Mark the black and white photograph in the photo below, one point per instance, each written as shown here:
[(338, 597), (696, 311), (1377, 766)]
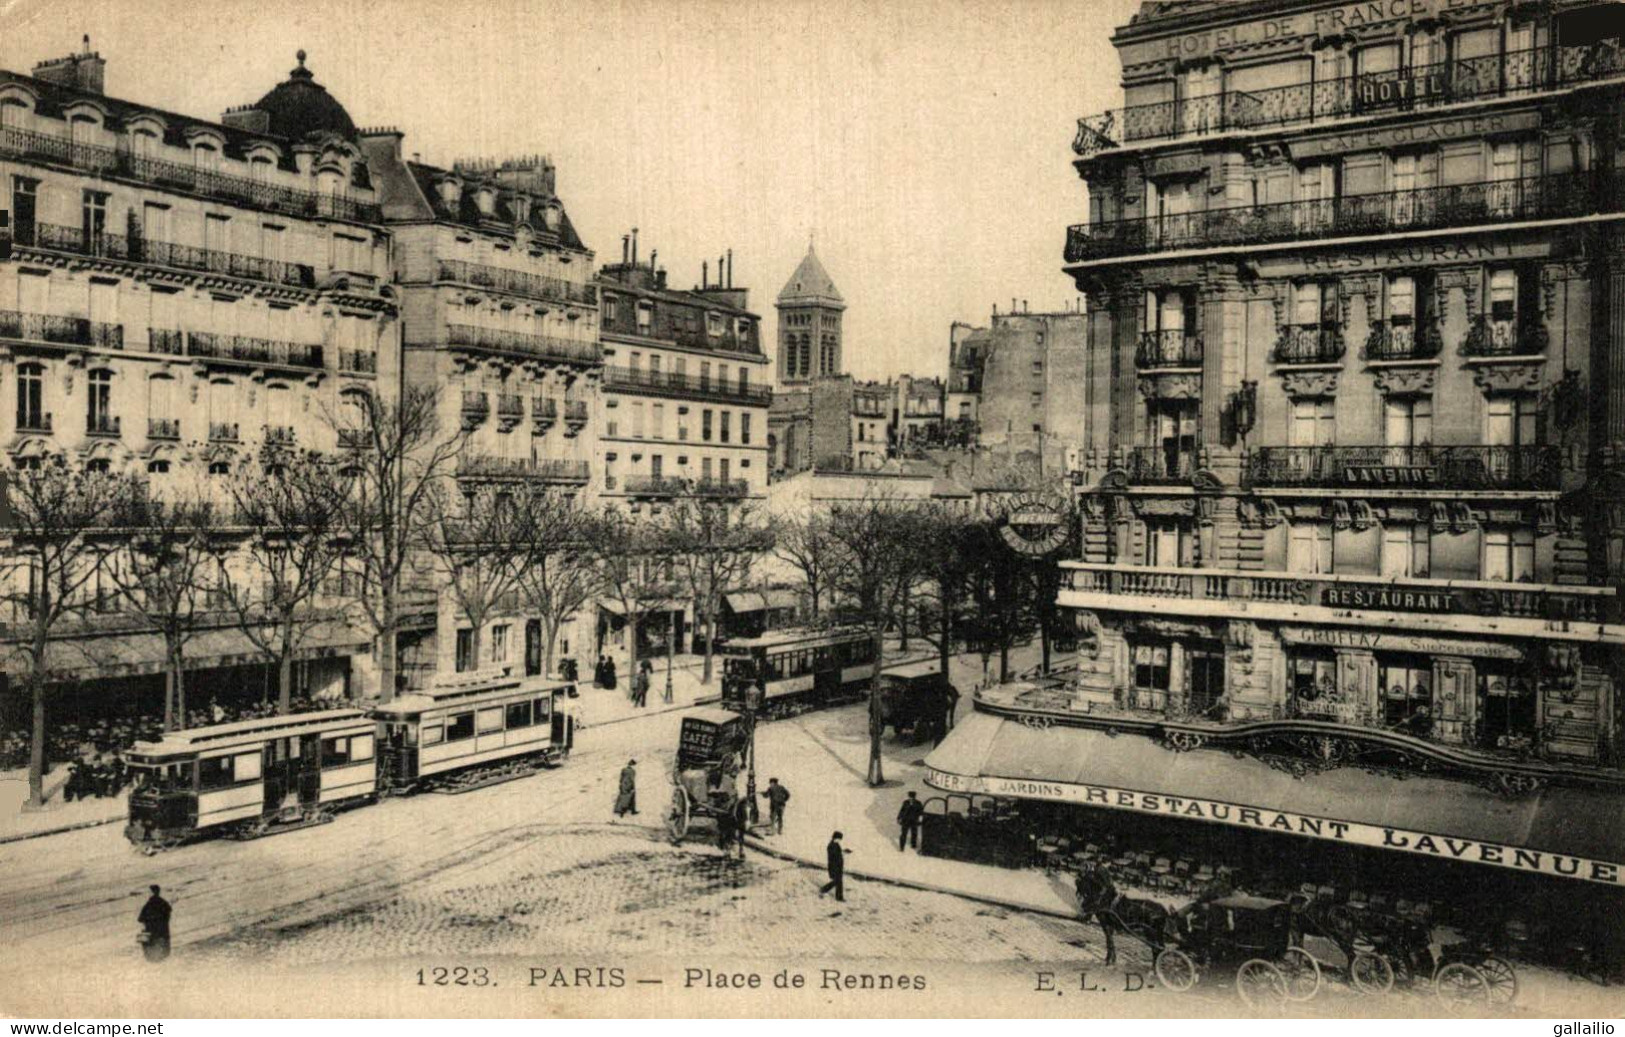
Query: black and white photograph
[(1042, 509)]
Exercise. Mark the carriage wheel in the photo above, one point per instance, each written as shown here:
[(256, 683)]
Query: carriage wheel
[(1461, 986), (1371, 973), (1503, 981), (1260, 985), (678, 817), (1175, 969), (1301, 972)]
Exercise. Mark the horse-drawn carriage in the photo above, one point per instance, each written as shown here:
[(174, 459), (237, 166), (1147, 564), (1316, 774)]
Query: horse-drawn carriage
[(705, 780), (1377, 951)]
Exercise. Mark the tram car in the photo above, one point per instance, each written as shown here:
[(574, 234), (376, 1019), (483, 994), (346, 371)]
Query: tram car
[(250, 777), (467, 730), (254, 777), (798, 670)]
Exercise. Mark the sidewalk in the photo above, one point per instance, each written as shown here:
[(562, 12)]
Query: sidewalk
[(825, 798), (18, 822)]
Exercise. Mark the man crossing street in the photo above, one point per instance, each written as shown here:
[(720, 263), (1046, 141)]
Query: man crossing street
[(908, 820)]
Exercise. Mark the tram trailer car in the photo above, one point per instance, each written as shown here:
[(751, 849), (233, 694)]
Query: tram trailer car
[(253, 777), (472, 729), (798, 670), (248, 777)]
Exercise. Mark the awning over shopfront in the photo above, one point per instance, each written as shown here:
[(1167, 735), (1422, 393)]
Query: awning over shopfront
[(129, 655), (759, 601), (1564, 832), (617, 608)]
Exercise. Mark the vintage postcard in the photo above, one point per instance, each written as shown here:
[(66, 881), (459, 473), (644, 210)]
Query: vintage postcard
[(1000, 508)]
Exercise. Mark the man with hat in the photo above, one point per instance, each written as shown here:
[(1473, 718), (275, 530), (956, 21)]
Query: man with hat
[(626, 802), (154, 919)]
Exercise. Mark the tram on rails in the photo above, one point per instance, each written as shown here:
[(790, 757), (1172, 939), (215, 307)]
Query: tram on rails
[(254, 777), (798, 670)]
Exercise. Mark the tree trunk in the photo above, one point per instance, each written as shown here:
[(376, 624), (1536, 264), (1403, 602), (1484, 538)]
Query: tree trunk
[(902, 623), (1043, 638), (1004, 657), (284, 682), (169, 698), (178, 682), (632, 623), (710, 637), (36, 742), (550, 637), (387, 649), (945, 638), (877, 718)]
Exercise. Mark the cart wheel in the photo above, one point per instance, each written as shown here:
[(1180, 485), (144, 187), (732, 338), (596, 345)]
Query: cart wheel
[(1461, 986), (1371, 973), (1502, 979), (677, 818), (1260, 985), (1175, 970), (1301, 972)]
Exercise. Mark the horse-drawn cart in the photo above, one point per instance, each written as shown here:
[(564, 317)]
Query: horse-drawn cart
[(705, 781)]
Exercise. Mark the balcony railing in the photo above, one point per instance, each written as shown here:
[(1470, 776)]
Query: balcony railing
[(721, 488), (544, 412), (1420, 87), (168, 341), (62, 331), (248, 191), (656, 485), (1490, 337), (102, 425), (279, 435), (222, 432), (510, 404), (476, 408), (672, 383), (364, 361), (520, 282), (1421, 467), (549, 469), (163, 428), (1558, 196), (1389, 341), (1308, 344), (34, 423), (135, 249), (548, 347), (1156, 464), (353, 439), (1168, 348), (213, 346), (1350, 591)]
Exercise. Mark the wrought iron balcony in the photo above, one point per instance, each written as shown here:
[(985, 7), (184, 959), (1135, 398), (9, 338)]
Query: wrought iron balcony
[(510, 404), (363, 361), (243, 349), (353, 439), (1419, 87), (1380, 213), (102, 425), (1418, 467), (547, 469), (1349, 591), (575, 416), (1160, 465), (546, 347), (656, 486), (520, 282), (670, 383), (544, 413), (721, 488), (222, 432), (1165, 349), (168, 341), (61, 331), (279, 435), (1308, 344), (34, 422), (1513, 337), (248, 191), (163, 428), (1403, 341)]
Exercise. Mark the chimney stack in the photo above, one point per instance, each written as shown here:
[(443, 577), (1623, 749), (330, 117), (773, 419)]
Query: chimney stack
[(84, 71), (626, 247), (652, 254), (704, 271), (634, 246), (730, 268)]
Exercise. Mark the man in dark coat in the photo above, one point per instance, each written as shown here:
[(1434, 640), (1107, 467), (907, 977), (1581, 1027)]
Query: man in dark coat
[(777, 796), (640, 685), (626, 801), (908, 820), (154, 919), (837, 868)]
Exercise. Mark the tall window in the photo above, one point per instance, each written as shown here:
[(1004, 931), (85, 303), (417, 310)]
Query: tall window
[(1405, 550), (657, 417), (155, 225), (499, 643), (744, 379), (705, 469), (705, 375), (1407, 422), (1317, 189), (1503, 190), (1509, 553), (1151, 669), (1173, 435), (722, 469), (1170, 317), (723, 431), (705, 425), (1510, 420), (465, 650), (24, 208), (1171, 205), (637, 419), (100, 402), (1168, 541), (646, 316), (30, 398), (1309, 547), (744, 426), (1314, 423), (93, 221), (217, 233)]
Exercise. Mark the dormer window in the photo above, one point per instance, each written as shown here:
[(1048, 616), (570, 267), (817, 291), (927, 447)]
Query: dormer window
[(713, 324), (521, 208), (451, 193), (552, 217), (646, 316), (206, 156), (486, 199)]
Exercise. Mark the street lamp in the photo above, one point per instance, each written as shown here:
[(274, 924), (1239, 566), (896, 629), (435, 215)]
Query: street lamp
[(671, 647), (754, 695)]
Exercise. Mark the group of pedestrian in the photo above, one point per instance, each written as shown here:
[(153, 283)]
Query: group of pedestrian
[(603, 675), (100, 776)]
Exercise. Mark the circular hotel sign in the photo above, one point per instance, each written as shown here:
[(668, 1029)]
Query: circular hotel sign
[(1033, 525)]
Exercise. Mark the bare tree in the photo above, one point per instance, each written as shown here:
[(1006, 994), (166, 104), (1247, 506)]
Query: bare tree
[(713, 545), (170, 561), (555, 572), (947, 571), (881, 544), (474, 538), (289, 504), (806, 544), (61, 520), (630, 570), (394, 453)]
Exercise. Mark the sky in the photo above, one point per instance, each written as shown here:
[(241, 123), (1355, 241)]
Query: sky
[(925, 148)]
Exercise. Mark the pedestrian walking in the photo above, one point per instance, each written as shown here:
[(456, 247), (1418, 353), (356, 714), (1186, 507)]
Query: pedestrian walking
[(609, 673), (626, 801), (908, 820), (741, 824), (640, 685), (154, 919), (837, 868), (777, 796)]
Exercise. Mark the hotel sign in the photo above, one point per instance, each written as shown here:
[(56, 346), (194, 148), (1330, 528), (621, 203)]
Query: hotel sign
[(1328, 22), (1352, 833)]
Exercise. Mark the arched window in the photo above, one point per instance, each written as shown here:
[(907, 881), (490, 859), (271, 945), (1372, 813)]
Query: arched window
[(219, 467), (99, 464), (159, 466)]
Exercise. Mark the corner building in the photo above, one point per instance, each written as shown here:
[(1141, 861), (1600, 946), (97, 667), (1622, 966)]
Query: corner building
[(1353, 442)]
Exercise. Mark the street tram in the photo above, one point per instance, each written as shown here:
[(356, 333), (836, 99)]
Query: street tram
[(799, 670), (255, 777), (467, 730), (250, 777)]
